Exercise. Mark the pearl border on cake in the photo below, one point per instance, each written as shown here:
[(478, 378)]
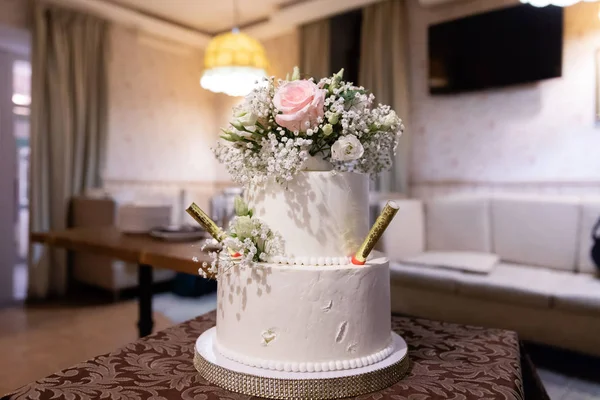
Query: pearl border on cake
[(324, 366), (311, 260)]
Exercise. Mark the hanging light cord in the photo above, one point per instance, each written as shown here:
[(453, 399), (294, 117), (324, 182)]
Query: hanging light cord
[(236, 17)]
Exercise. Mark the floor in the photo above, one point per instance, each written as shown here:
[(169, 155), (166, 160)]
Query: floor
[(564, 387), (82, 331), (30, 337), (566, 375), (180, 309)]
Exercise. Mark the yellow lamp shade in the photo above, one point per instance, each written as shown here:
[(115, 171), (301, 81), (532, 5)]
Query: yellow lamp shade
[(233, 62)]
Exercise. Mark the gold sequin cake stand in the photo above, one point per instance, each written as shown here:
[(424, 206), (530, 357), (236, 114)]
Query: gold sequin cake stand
[(253, 381)]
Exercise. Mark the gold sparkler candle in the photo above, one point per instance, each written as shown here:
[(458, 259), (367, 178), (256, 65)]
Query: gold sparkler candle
[(204, 220), (380, 225)]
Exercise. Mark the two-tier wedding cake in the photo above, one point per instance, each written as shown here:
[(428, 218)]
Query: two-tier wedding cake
[(291, 298)]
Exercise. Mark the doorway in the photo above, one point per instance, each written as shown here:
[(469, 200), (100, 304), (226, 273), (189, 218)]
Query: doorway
[(15, 101), (21, 103)]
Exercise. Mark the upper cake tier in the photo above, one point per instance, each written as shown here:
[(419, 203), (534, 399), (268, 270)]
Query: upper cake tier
[(321, 214)]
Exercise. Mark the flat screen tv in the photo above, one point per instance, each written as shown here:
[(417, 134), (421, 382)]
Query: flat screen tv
[(505, 47)]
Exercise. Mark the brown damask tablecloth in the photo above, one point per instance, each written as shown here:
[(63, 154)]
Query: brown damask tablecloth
[(448, 361)]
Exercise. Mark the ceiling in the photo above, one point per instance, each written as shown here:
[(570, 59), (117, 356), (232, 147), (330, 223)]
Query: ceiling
[(207, 16), (195, 22)]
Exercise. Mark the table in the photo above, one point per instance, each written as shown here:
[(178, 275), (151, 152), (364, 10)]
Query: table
[(142, 250), (447, 361)]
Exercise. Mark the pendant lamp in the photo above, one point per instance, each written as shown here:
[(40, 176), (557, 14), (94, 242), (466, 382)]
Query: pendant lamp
[(233, 62)]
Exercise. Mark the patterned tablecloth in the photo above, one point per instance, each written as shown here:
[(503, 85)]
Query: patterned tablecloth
[(448, 361)]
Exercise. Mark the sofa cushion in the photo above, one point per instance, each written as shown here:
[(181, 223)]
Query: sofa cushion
[(438, 279), (513, 283), (579, 293), (458, 224), (536, 231), (482, 263), (590, 213)]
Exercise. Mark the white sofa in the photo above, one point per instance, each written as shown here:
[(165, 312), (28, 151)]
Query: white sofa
[(544, 286)]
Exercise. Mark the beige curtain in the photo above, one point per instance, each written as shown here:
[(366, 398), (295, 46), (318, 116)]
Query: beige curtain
[(384, 70), (68, 128), (314, 49)]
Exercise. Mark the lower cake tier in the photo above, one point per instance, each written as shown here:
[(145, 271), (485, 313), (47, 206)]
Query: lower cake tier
[(305, 318)]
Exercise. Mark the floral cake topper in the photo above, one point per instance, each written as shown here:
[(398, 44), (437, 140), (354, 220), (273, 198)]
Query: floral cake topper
[(247, 240), (282, 123)]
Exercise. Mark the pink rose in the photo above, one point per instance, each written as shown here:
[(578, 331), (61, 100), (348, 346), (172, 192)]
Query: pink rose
[(300, 104)]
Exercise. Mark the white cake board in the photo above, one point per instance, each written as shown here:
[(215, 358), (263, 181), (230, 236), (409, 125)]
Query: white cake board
[(205, 347)]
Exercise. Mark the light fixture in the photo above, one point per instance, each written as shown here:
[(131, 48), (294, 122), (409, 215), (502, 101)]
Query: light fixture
[(233, 62), (560, 3), (21, 99)]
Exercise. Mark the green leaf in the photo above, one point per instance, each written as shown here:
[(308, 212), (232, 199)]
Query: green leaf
[(236, 137), (229, 139), (240, 207)]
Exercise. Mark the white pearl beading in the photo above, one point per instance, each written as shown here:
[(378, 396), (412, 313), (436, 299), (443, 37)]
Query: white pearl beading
[(292, 366), (311, 260)]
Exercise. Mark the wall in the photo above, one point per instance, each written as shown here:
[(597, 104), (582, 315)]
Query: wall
[(157, 108), (283, 53), (161, 122), (537, 137)]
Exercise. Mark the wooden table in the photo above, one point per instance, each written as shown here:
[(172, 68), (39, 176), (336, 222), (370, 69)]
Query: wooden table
[(447, 361), (142, 250)]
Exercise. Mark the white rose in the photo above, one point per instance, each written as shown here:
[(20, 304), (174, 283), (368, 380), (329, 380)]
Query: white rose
[(347, 148), (390, 119), (244, 120)]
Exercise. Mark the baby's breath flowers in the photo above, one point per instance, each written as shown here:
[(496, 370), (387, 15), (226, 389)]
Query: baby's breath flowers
[(281, 124), (247, 241)]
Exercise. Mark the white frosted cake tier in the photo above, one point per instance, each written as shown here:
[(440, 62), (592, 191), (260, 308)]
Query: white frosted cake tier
[(305, 318), (320, 214)]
